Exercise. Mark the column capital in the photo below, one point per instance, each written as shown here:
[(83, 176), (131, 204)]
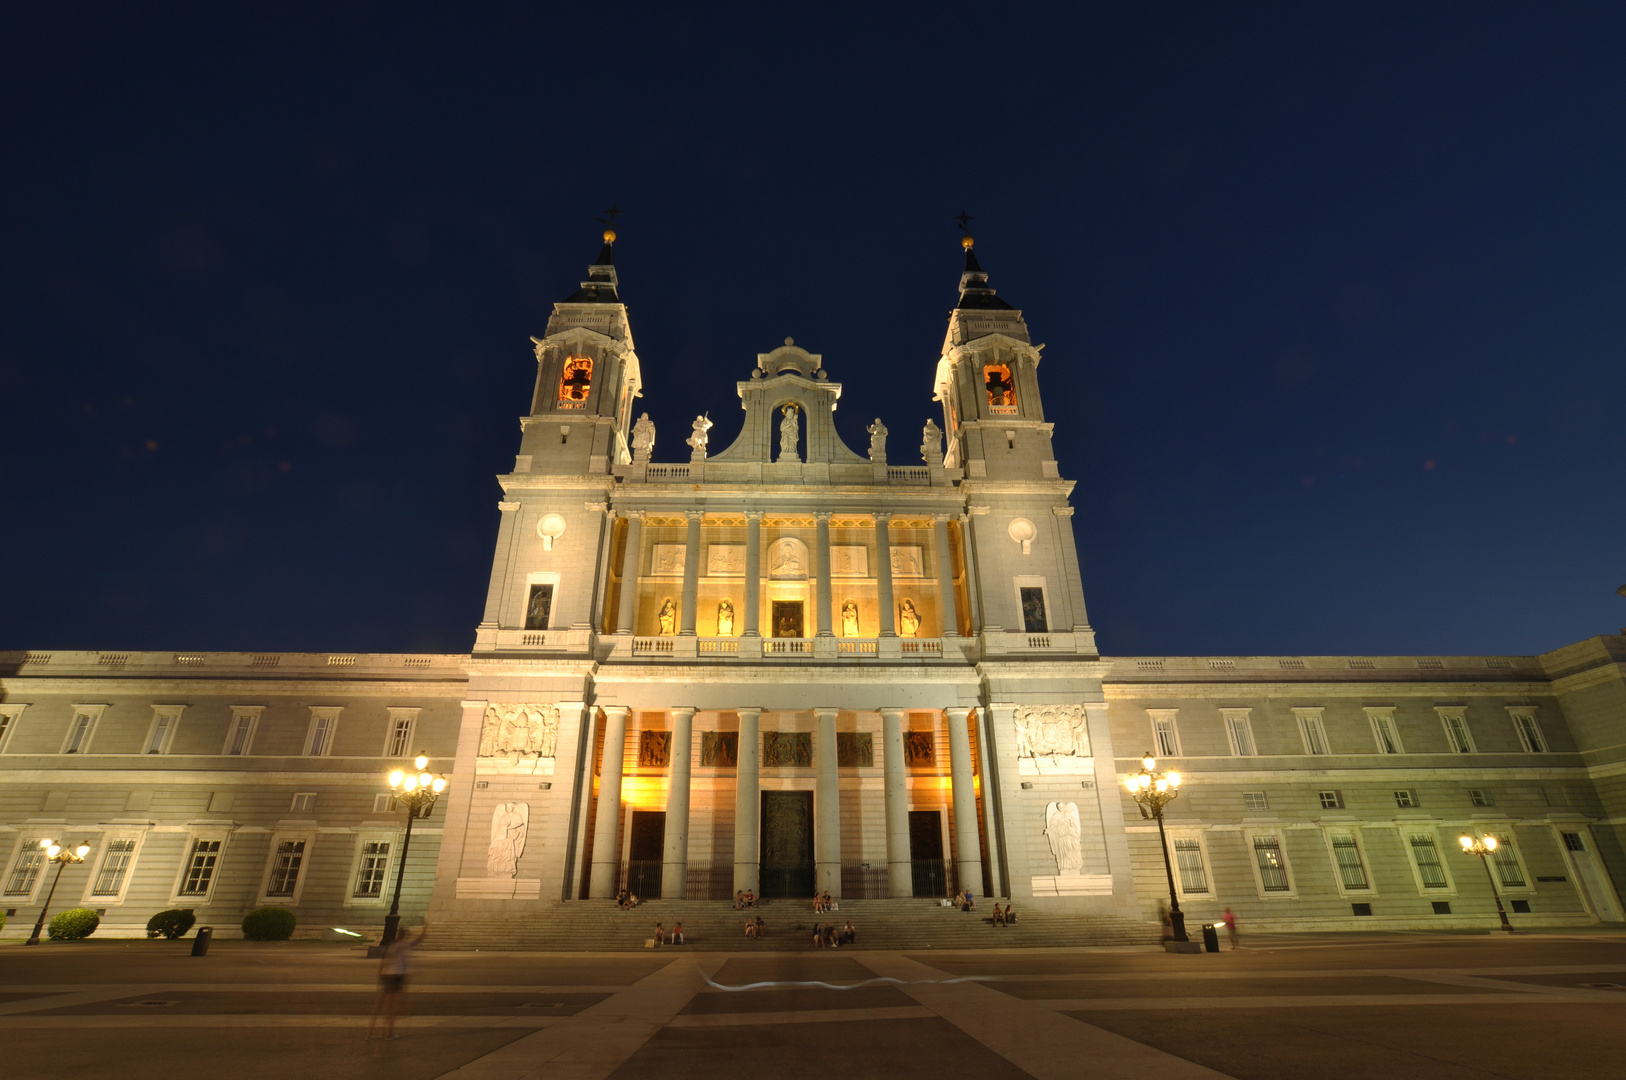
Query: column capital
[(956, 713), (825, 710), (675, 709), (1063, 511), (883, 517), (898, 710), (753, 515), (754, 710), (601, 507), (943, 519), (822, 515), (633, 515), (616, 710), (978, 511), (508, 507), (694, 515), (473, 704), (564, 706)]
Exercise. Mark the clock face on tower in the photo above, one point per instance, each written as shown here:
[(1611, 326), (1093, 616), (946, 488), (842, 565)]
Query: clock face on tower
[(575, 382)]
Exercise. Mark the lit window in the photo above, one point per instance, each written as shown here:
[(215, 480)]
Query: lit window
[(30, 861), (1267, 851), (1188, 853), (1001, 390), (575, 382), (115, 864), (375, 861), (285, 870), (1255, 800), (200, 868), (1347, 853), (1427, 857)]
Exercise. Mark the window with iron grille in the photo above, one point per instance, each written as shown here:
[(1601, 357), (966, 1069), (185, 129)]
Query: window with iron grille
[(375, 862), (1255, 800), (1427, 856), (285, 871), (1348, 854), (1508, 870), (26, 870), (1188, 854), (115, 864), (200, 868), (1267, 851)]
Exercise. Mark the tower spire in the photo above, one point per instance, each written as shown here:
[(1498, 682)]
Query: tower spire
[(974, 290), (600, 286)]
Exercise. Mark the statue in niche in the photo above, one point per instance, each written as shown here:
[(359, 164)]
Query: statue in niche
[(518, 731), (719, 749), (917, 748), (849, 619), (931, 443), (790, 432), (877, 442), (643, 438), (667, 617), (509, 823), (699, 438), (908, 619), (1061, 828), (1051, 731), (654, 748), (725, 619)]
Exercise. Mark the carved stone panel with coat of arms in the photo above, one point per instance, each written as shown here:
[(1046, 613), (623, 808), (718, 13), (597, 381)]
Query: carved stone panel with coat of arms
[(1052, 739), (519, 738)]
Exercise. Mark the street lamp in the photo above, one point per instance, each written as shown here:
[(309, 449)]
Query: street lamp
[(1483, 846), (418, 792), (1154, 790), (62, 857)]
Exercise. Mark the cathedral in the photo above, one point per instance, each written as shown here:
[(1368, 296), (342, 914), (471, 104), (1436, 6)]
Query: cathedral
[(789, 666)]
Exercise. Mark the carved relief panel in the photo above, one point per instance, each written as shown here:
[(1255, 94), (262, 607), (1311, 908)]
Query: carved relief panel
[(654, 749), (855, 749), (1052, 739), (719, 749), (787, 750), (516, 731)]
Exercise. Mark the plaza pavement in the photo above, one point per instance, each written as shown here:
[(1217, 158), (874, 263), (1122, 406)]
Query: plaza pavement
[(1330, 1006)]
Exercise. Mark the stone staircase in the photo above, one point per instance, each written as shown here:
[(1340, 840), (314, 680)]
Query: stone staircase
[(598, 926)]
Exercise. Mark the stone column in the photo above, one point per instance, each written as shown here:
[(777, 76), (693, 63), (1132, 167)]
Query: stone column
[(973, 578), (629, 572), (967, 848), (753, 573), (823, 543), (455, 809), (606, 870), (990, 802), (675, 859), (945, 579), (1070, 568), (748, 804), (899, 870), (691, 574), (826, 804), (584, 717), (883, 574), (502, 566)]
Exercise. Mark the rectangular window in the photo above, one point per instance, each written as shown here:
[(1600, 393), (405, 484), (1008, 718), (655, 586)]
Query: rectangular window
[(285, 870), (115, 864), (1428, 861), (1188, 853), (400, 737), (1241, 735), (200, 869), (304, 802), (1480, 797), (1405, 799), (1163, 735), (1332, 800), (1456, 732), (1255, 800), (321, 735), (1508, 870), (538, 607), (31, 859), (1315, 736), (7, 718), (1383, 729), (375, 862), (1034, 619), (383, 804), (1529, 733), (1267, 850), (161, 725), (1572, 842), (79, 734), (1348, 855), (242, 734)]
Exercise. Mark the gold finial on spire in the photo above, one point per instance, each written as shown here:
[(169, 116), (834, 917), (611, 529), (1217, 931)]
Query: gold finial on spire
[(609, 236), (608, 221), (966, 241)]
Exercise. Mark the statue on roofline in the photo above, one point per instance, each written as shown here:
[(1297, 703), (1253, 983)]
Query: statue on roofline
[(643, 438)]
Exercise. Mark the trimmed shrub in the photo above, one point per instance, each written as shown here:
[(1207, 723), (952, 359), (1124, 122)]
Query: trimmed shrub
[(171, 924), (2, 918), (73, 924), (269, 924)]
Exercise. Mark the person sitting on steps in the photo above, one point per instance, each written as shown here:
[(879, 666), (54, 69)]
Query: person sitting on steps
[(660, 935), (818, 904), (1010, 915), (999, 916), (818, 936), (677, 934), (849, 934)]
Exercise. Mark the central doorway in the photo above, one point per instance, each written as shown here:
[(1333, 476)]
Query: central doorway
[(786, 869), (648, 848), (787, 618), (927, 870)]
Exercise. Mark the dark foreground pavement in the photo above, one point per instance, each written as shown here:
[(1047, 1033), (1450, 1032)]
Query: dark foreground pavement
[(1330, 1006)]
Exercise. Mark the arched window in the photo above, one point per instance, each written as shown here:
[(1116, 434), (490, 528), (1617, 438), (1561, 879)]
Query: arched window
[(575, 382), (1001, 390)]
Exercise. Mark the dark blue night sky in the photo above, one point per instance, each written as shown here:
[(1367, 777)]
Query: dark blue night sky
[(1333, 296)]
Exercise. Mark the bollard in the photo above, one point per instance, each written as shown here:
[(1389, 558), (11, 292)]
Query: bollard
[(1210, 937), (200, 944)]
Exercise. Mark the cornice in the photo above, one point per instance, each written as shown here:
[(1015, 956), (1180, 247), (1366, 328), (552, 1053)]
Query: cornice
[(1120, 689)]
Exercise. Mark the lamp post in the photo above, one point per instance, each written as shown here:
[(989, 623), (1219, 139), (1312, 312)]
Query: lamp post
[(1483, 846), (62, 857), (1154, 790), (418, 792)]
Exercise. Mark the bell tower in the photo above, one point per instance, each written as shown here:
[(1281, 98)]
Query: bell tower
[(988, 383)]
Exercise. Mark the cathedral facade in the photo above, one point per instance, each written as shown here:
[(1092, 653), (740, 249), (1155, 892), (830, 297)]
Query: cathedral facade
[(787, 665)]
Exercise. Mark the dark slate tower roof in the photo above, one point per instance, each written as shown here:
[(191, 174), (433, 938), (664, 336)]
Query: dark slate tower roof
[(974, 290), (599, 288)]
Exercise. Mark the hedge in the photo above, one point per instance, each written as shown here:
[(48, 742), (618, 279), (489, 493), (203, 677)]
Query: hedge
[(171, 924), (269, 924), (73, 924)]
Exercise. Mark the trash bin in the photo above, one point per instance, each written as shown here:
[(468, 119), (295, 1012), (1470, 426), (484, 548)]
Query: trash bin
[(200, 944), (1210, 937)]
